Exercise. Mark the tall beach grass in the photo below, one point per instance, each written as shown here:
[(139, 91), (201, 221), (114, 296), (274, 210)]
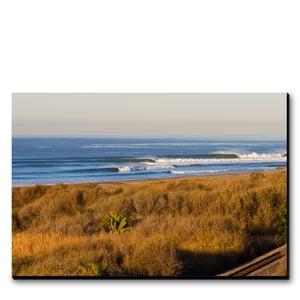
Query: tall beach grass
[(192, 226)]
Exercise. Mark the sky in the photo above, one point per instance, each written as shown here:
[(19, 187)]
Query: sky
[(149, 115)]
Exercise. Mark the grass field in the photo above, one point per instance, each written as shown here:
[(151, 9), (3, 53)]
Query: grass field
[(192, 226)]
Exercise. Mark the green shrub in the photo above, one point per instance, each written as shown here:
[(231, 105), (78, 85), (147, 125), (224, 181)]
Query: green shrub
[(92, 269), (114, 223)]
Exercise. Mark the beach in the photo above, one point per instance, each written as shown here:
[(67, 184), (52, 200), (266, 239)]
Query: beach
[(197, 226)]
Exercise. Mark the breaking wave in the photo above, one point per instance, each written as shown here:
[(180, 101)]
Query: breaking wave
[(147, 167), (172, 162)]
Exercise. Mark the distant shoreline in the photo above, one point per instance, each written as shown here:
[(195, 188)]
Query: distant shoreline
[(148, 180)]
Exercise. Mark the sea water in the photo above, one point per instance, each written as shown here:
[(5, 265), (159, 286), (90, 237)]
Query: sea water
[(74, 160)]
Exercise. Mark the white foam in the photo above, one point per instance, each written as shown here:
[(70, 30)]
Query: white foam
[(197, 171), (242, 158), (170, 163), (145, 167), (124, 169), (263, 156)]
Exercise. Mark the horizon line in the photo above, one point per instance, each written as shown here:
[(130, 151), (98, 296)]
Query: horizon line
[(282, 137)]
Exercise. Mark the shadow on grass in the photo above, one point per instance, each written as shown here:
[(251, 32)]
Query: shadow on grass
[(199, 264)]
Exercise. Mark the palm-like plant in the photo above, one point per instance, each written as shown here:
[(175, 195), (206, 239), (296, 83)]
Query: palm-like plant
[(114, 223)]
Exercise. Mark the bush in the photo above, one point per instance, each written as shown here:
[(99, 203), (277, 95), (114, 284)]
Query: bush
[(92, 269), (115, 223), (282, 223)]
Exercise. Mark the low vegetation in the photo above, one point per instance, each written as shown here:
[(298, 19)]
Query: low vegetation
[(193, 226), (114, 223)]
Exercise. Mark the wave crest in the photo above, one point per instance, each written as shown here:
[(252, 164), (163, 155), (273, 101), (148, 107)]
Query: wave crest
[(145, 167)]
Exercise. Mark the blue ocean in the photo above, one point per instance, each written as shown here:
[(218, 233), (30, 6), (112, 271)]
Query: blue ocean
[(74, 160)]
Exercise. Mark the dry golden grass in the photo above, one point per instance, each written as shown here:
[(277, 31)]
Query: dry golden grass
[(193, 226)]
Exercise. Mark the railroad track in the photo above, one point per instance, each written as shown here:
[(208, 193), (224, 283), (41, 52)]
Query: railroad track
[(273, 263)]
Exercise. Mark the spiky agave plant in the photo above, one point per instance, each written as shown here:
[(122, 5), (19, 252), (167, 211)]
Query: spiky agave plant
[(113, 222)]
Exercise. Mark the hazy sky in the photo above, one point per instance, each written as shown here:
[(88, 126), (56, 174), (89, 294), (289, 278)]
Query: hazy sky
[(149, 114)]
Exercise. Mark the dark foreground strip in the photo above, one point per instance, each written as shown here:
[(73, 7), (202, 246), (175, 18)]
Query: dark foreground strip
[(269, 264)]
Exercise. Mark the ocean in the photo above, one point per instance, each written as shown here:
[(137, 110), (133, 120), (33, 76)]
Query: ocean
[(75, 160)]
